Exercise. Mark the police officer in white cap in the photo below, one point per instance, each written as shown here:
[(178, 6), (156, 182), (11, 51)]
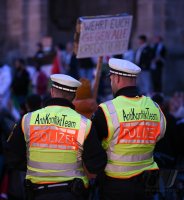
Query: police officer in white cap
[(58, 142), (129, 127)]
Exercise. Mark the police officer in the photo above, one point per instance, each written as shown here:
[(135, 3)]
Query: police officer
[(57, 142), (129, 127)]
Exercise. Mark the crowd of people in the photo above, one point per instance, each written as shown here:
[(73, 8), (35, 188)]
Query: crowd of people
[(25, 86), (31, 75)]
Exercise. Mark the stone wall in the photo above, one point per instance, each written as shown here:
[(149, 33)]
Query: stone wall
[(174, 38), (3, 27), (68, 12), (25, 22), (165, 17)]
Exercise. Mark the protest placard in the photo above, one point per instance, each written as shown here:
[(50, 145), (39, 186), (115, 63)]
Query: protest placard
[(102, 35)]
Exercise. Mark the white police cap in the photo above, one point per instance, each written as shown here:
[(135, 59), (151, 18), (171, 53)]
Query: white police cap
[(123, 67), (64, 82)]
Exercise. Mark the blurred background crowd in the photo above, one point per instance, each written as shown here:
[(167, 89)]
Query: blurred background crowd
[(25, 86), (28, 57)]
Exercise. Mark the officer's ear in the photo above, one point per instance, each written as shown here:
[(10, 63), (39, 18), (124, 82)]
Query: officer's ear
[(51, 91), (118, 79)]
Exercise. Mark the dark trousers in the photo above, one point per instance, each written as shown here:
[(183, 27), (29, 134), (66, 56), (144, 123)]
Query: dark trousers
[(123, 189), (47, 192), (62, 195), (157, 79)]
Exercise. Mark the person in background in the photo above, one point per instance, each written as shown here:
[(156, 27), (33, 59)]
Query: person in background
[(165, 152), (177, 109), (33, 102), (57, 66), (143, 57), (104, 88), (129, 126), (86, 67), (158, 62), (73, 67), (39, 52), (84, 102), (7, 122), (6, 80), (129, 54), (176, 105), (8, 117), (41, 82), (179, 185), (15, 171), (67, 55), (56, 142), (21, 82)]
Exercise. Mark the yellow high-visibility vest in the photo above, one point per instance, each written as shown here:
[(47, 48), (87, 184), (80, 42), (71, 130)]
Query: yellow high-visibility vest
[(134, 126), (54, 136)]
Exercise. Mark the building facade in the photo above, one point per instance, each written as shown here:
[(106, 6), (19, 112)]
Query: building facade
[(25, 22)]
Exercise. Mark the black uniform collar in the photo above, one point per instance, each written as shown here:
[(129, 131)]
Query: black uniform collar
[(130, 91), (59, 102)]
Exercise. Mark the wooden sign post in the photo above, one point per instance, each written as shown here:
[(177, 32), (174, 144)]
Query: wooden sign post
[(102, 36), (97, 77)]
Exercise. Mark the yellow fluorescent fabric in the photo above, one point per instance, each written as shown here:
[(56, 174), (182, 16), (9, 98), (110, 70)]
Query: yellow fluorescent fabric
[(55, 136), (134, 126)]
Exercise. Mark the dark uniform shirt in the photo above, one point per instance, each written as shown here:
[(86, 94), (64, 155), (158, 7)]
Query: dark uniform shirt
[(99, 120), (93, 155)]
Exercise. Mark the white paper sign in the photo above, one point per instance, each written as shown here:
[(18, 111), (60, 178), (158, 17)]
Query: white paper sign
[(102, 36)]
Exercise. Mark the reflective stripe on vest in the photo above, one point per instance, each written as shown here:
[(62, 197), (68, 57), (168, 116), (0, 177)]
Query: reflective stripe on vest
[(116, 168), (115, 122), (162, 122), (54, 166), (27, 119), (82, 130), (128, 163), (130, 158), (69, 173)]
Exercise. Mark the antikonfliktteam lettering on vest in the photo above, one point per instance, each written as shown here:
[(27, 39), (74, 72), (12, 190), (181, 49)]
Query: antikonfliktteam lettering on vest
[(60, 121), (143, 115), (132, 123)]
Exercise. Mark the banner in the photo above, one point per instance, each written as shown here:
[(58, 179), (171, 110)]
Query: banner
[(102, 35)]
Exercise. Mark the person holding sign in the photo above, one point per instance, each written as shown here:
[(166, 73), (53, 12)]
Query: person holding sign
[(129, 127), (59, 142)]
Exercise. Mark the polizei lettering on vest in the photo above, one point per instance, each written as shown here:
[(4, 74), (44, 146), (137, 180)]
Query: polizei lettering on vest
[(59, 121), (143, 115)]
